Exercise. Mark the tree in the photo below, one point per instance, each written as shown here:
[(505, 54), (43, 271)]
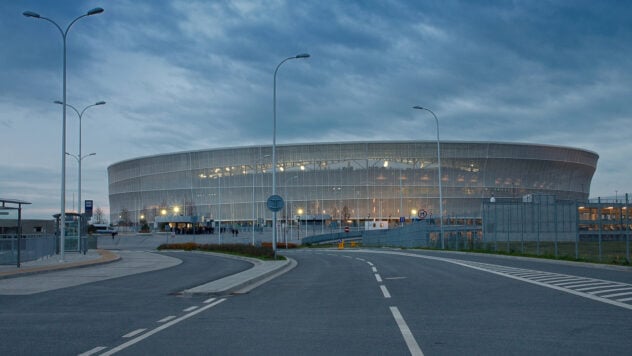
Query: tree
[(124, 218), (98, 216), (346, 215)]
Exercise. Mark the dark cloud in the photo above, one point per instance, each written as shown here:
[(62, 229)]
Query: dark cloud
[(188, 75)]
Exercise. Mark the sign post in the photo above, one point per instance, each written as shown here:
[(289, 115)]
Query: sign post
[(275, 204)]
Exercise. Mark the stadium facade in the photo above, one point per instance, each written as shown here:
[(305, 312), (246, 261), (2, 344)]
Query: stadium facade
[(349, 182)]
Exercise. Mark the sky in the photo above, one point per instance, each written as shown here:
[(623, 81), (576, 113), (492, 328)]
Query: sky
[(180, 75)]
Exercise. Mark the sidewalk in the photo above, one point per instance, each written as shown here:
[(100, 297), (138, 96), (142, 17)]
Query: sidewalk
[(52, 263)]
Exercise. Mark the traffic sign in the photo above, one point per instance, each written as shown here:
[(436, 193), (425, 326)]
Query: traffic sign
[(88, 208), (346, 228), (422, 214), (275, 203)]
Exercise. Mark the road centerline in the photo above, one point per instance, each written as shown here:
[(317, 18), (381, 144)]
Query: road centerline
[(160, 328), (412, 344)]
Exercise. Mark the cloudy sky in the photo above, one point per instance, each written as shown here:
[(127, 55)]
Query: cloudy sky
[(183, 75)]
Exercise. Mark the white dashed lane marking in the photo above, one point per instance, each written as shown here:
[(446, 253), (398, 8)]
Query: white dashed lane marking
[(166, 319), (133, 333)]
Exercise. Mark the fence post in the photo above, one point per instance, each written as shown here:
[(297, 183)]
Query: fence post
[(577, 230), (627, 228), (555, 222), (599, 211)]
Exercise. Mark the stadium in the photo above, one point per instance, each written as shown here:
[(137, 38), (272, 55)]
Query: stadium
[(349, 183)]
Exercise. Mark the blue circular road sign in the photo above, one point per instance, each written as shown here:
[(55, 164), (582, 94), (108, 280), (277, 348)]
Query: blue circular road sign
[(275, 203)]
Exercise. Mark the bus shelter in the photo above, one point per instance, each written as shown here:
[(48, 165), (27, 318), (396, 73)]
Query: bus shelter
[(72, 240)]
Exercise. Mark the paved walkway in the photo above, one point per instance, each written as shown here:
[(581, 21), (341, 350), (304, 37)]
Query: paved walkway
[(53, 263)]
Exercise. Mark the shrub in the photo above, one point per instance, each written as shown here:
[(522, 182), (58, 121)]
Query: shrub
[(261, 252)]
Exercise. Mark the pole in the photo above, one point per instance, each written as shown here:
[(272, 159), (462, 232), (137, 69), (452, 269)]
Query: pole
[(254, 174), (439, 173), (627, 228), (219, 213), (64, 34), (274, 157), (79, 157)]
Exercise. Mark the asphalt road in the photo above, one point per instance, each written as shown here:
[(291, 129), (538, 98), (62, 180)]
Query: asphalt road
[(336, 302), (73, 320)]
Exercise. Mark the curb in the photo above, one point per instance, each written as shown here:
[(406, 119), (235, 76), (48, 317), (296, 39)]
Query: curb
[(106, 257), (244, 281)]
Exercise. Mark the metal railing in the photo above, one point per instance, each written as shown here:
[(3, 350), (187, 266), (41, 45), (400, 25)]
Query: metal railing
[(32, 247)]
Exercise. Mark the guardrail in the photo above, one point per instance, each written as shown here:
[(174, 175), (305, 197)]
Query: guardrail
[(333, 237)]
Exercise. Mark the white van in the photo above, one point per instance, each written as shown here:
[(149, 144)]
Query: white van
[(105, 229)]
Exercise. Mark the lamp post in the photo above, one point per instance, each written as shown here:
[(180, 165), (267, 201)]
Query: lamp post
[(254, 217), (64, 34), (287, 181), (163, 213), (79, 157), (439, 162), (274, 158)]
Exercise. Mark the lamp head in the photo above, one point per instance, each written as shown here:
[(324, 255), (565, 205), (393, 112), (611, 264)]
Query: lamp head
[(100, 103), (31, 14), (302, 55), (418, 107), (58, 102), (95, 11)]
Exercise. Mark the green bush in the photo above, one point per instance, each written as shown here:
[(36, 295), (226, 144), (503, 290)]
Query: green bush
[(261, 252)]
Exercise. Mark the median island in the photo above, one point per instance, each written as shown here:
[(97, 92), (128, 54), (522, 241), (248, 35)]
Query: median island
[(263, 252)]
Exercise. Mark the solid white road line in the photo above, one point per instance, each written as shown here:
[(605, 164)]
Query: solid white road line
[(385, 291), (160, 328), (412, 344), (93, 351), (133, 333), (379, 279)]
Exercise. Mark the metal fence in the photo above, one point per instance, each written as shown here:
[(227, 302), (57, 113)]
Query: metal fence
[(537, 226), (32, 247)]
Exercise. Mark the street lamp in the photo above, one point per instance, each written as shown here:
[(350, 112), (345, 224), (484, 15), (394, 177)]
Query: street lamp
[(79, 157), (254, 217), (274, 159), (300, 213), (287, 181), (64, 34), (439, 162)]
